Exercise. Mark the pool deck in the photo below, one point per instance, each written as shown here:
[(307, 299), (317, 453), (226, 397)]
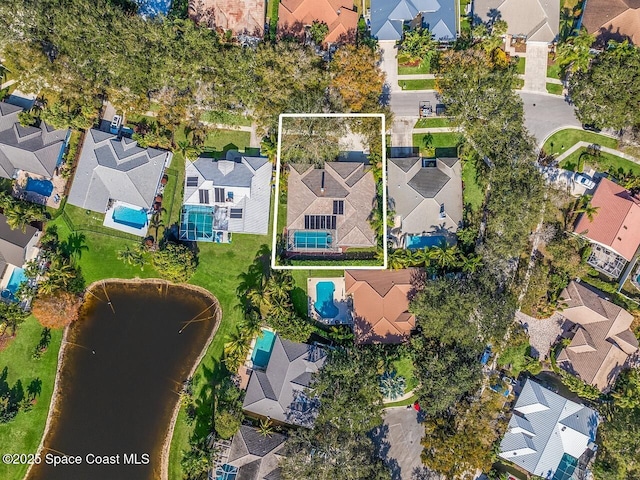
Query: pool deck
[(110, 223), (248, 363), (340, 300), (19, 189)]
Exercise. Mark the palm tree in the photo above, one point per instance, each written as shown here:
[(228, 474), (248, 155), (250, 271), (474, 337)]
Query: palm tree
[(127, 255), (399, 259), (265, 428), (574, 55), (155, 223), (471, 263), (391, 385), (236, 349), (252, 324), (187, 149), (444, 255), (61, 272)]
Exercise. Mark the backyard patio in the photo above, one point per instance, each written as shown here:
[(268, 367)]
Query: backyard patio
[(328, 303), (38, 189)]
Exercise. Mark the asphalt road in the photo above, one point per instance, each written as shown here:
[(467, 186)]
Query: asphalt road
[(542, 113)]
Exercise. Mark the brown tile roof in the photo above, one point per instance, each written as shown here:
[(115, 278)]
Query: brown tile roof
[(613, 19), (616, 223), (339, 16), (602, 340), (381, 304), (239, 16)]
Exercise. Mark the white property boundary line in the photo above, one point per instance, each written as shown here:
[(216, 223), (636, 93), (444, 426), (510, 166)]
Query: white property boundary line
[(384, 191)]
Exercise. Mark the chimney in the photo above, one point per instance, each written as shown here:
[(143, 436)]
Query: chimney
[(322, 184)]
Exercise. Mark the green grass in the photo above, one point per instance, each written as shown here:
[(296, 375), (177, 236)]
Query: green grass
[(442, 144), (472, 193), (435, 122), (422, 68), (272, 9), (518, 83), (554, 88), (299, 295), (522, 61), (565, 139), (428, 84), (553, 71), (23, 433), (402, 403), (604, 162), (226, 118), (218, 142), (404, 368)]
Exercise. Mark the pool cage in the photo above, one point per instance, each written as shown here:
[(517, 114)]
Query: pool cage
[(313, 241), (204, 223)]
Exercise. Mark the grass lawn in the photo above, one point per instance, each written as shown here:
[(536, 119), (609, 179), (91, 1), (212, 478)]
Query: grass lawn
[(605, 162), (404, 368), (428, 84), (422, 68), (218, 142), (553, 71), (402, 403), (520, 66), (272, 10), (564, 139), (226, 118), (435, 122), (442, 144), (554, 88), (23, 433), (515, 356), (472, 193)]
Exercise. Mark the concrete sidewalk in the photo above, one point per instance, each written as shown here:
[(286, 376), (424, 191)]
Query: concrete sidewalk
[(611, 151), (535, 70)]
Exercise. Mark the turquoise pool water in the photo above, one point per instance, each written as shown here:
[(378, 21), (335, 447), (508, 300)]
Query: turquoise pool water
[(422, 241), (311, 239), (324, 300), (566, 467), (136, 218), (153, 8), (262, 349), (17, 278), (43, 187)]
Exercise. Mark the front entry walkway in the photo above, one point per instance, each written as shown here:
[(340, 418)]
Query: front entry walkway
[(389, 64), (535, 70)]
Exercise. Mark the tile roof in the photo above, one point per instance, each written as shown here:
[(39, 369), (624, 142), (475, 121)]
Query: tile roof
[(381, 304), (339, 15), (538, 20), (388, 17), (544, 427), (602, 340), (613, 19), (239, 16), (616, 222)]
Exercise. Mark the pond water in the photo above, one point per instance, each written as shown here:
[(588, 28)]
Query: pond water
[(120, 399)]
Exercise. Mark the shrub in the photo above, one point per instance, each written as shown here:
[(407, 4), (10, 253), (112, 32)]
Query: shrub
[(56, 311)]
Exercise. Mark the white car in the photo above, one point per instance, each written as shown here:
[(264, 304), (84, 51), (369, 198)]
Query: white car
[(115, 124), (583, 180)]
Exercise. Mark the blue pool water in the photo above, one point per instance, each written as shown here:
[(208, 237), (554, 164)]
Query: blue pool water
[(311, 239), (152, 8), (136, 218), (566, 467), (262, 349), (422, 241), (43, 187), (324, 300), (17, 278)]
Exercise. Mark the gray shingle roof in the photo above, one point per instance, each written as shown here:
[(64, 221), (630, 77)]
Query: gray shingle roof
[(322, 184), (428, 181), (14, 242), (32, 149), (118, 169), (405, 164), (387, 17), (544, 427)]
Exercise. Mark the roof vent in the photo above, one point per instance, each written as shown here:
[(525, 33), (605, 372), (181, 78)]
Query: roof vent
[(322, 184)]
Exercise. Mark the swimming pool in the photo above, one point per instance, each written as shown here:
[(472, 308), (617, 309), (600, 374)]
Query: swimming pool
[(566, 467), (17, 278), (152, 8), (262, 349), (422, 241), (43, 187), (311, 239), (136, 218), (324, 300)]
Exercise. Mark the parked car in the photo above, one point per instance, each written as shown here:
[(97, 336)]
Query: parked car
[(584, 180), (426, 110), (116, 123)]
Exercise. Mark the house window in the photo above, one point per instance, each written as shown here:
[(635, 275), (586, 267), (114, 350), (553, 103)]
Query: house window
[(428, 162), (235, 213), (320, 222), (204, 196), (442, 214), (338, 207), (192, 181), (219, 194)]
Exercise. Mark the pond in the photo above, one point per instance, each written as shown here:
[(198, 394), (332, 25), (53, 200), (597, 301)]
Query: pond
[(120, 400)]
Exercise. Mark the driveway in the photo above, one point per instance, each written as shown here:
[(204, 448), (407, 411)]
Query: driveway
[(398, 443), (402, 136), (535, 69), (544, 113), (389, 64)]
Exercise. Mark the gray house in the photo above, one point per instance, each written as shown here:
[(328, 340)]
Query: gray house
[(426, 195), (278, 391), (227, 195), (16, 246), (37, 150), (116, 169), (388, 18), (549, 435), (254, 456)]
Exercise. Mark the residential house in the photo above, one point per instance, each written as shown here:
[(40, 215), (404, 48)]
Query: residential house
[(16, 248), (227, 195), (549, 435), (533, 20), (613, 230), (254, 456), (601, 340), (426, 194), (380, 304), (328, 208), (295, 16), (117, 177), (278, 392), (35, 150), (241, 17), (612, 20), (390, 17)]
